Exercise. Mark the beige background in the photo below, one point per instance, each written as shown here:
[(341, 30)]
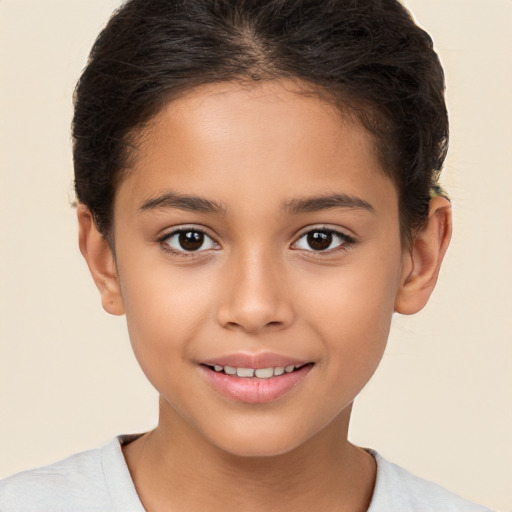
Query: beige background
[(441, 403)]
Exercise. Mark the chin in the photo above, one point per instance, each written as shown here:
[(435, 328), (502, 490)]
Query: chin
[(257, 449), (269, 442)]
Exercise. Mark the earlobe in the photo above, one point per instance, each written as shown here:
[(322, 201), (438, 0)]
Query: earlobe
[(423, 262), (100, 260)]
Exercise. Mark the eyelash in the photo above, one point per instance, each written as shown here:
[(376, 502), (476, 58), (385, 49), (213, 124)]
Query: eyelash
[(345, 241), (184, 253)]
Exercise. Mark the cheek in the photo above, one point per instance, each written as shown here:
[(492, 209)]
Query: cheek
[(165, 308), (351, 309), (352, 326)]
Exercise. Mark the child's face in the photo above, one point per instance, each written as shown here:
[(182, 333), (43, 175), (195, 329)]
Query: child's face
[(292, 256)]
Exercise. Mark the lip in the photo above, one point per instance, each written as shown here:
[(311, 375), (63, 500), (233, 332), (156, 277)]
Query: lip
[(254, 390)]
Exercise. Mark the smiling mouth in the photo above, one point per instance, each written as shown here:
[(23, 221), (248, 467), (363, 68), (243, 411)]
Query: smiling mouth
[(257, 373), (255, 382)]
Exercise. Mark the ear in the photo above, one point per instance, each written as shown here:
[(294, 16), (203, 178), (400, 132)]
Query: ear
[(100, 259), (421, 265)]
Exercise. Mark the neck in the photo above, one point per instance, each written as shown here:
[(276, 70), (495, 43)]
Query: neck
[(175, 469)]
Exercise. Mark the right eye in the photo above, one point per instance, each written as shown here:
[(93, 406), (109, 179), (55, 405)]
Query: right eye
[(188, 240)]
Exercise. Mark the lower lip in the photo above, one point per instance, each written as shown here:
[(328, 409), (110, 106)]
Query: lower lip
[(254, 390)]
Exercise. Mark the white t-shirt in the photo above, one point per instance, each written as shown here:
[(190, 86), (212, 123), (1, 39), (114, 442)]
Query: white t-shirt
[(99, 481)]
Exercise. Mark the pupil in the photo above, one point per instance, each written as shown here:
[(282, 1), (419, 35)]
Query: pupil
[(319, 240), (191, 240)]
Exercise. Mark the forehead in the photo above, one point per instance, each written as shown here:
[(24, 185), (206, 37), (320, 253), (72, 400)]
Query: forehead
[(227, 138)]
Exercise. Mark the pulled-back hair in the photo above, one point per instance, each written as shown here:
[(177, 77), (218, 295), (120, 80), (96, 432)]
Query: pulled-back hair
[(367, 55)]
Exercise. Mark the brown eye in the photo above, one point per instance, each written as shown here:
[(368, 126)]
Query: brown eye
[(319, 240), (189, 240)]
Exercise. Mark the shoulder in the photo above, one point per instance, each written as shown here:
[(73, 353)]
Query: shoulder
[(66, 481), (399, 490), (90, 481)]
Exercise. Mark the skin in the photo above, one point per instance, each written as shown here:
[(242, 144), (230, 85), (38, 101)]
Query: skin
[(257, 286)]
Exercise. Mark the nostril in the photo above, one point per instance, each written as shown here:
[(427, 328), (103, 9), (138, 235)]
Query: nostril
[(254, 327), (252, 312)]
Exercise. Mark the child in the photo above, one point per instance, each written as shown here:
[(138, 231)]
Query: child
[(257, 192)]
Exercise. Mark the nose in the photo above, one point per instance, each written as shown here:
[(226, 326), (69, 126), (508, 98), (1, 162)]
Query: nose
[(255, 296)]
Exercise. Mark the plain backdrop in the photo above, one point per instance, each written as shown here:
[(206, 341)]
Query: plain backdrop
[(441, 402)]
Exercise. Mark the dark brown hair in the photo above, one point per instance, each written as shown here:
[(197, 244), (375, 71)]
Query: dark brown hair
[(367, 55)]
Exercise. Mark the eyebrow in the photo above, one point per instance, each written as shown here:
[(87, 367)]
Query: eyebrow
[(183, 202), (319, 203), (294, 206)]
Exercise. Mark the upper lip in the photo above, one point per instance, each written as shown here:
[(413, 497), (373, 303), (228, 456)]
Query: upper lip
[(263, 360)]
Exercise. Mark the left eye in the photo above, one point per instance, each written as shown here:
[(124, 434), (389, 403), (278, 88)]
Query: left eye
[(189, 240), (321, 240)]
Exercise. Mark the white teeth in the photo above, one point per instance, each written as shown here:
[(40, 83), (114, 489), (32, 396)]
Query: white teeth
[(260, 373), (264, 373), (245, 372)]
